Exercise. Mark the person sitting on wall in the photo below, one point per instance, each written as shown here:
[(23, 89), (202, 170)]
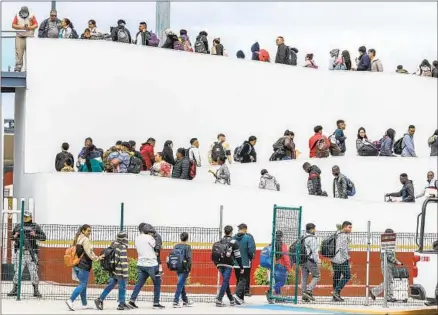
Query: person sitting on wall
[(63, 156)]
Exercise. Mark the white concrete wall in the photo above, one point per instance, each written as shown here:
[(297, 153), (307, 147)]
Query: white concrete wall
[(76, 198), (113, 91)]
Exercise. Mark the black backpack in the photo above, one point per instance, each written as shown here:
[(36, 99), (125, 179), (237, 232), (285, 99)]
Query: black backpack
[(60, 163), (176, 259), (328, 246), (200, 46), (135, 165), (217, 151), (238, 153), (292, 57), (304, 256), (109, 263), (398, 146), (221, 252)]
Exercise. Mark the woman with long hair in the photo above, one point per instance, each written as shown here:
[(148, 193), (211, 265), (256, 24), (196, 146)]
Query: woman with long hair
[(387, 143), (81, 272), (363, 145), (92, 161), (160, 168)]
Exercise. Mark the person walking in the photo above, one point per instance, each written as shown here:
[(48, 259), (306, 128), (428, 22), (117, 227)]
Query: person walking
[(341, 261), (311, 266)]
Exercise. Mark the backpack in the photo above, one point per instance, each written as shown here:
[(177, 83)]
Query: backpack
[(279, 144), (109, 263), (426, 72), (398, 146), (264, 55), (221, 252), (304, 256), (351, 189), (135, 165), (192, 168), (178, 45), (265, 257), (175, 260), (322, 151), (60, 163), (71, 257), (335, 149), (292, 57), (200, 46), (154, 41), (217, 151), (122, 35), (328, 246), (378, 144), (74, 34), (237, 151)]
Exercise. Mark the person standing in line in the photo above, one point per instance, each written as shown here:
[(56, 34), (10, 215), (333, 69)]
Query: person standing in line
[(32, 234), (147, 266), (392, 262), (225, 267), (269, 182), (314, 180), (194, 152), (26, 23), (339, 184), (183, 274), (341, 261), (248, 281), (81, 272), (311, 266), (222, 175), (247, 253), (408, 143), (120, 274)]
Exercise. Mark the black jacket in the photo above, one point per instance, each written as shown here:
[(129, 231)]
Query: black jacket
[(181, 169), (145, 36), (85, 263), (406, 193), (29, 241), (170, 39), (168, 154), (314, 181), (235, 253), (282, 55), (138, 155), (61, 158), (115, 30), (248, 151), (204, 39)]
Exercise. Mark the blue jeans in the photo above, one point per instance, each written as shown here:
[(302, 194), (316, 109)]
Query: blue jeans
[(180, 287), (143, 274), (81, 289), (280, 276), (286, 158), (341, 275), (110, 287), (225, 287)]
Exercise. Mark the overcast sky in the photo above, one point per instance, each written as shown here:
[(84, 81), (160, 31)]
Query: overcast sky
[(402, 33)]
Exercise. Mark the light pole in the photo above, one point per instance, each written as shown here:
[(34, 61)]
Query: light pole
[(162, 18), (53, 5)]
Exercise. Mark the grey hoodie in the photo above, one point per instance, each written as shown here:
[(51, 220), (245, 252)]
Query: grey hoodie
[(311, 243), (269, 182), (342, 244)]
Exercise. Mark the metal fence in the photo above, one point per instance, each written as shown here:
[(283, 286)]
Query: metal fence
[(56, 279)]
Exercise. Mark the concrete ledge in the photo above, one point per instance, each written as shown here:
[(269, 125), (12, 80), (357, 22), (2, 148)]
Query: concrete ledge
[(432, 310)]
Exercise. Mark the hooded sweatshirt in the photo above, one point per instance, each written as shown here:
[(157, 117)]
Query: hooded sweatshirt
[(314, 181), (269, 182), (255, 49), (121, 259), (247, 250), (406, 193)]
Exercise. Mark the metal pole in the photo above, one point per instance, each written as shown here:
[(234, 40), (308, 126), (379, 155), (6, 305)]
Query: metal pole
[(20, 259), (367, 287), (53, 5), (122, 215), (385, 281), (162, 18), (221, 222)]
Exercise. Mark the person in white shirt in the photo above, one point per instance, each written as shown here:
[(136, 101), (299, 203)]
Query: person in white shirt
[(194, 152), (147, 265)]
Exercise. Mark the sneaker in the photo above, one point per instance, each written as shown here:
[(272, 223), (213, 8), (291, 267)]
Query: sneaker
[(372, 296), (392, 300), (308, 295), (248, 294), (176, 305), (158, 306), (337, 297), (270, 301), (238, 300), (70, 304), (232, 303), (305, 299), (188, 304), (132, 304), (99, 304), (219, 303)]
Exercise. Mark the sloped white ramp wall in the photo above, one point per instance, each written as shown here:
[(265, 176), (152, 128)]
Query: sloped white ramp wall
[(112, 91)]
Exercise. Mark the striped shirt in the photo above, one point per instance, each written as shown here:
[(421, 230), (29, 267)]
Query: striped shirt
[(121, 260)]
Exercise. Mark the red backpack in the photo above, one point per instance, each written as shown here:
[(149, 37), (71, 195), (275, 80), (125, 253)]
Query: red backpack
[(264, 55)]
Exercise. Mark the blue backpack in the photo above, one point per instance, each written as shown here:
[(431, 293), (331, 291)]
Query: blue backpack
[(265, 257), (351, 189), (175, 260)]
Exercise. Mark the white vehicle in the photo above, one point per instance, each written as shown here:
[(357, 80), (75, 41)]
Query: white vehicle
[(425, 269)]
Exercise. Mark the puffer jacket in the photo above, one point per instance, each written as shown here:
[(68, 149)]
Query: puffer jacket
[(433, 143), (366, 148), (269, 182), (406, 193), (340, 187), (181, 169), (386, 147), (247, 250), (314, 181)]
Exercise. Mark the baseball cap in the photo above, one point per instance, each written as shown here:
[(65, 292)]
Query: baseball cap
[(27, 213), (242, 226), (24, 11)]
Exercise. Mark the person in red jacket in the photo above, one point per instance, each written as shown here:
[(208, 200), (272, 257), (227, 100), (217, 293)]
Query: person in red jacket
[(147, 151), (282, 264), (313, 141)]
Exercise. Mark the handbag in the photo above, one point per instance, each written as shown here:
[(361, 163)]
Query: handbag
[(400, 272)]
